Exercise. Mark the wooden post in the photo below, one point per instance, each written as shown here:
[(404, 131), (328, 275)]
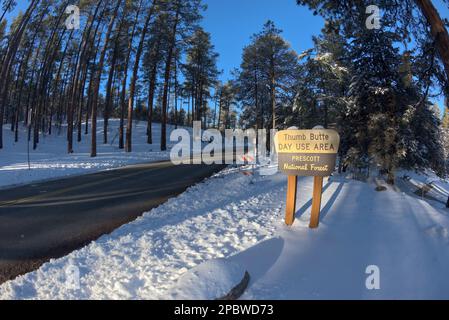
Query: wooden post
[(316, 202), (290, 210)]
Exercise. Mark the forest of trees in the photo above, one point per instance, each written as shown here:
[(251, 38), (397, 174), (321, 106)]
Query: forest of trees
[(374, 86), (151, 60), (124, 62)]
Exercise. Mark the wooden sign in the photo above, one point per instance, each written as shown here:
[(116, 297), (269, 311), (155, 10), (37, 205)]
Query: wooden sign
[(306, 153)]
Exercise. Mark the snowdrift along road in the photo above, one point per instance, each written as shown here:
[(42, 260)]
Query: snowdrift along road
[(240, 218)]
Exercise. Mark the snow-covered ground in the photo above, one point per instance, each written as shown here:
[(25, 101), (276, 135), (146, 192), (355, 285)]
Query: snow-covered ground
[(425, 185), (239, 218), (51, 160)]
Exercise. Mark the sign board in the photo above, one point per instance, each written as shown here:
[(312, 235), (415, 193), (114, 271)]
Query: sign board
[(307, 152)]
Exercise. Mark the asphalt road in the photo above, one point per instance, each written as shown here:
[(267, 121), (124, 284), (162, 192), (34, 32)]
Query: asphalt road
[(47, 220)]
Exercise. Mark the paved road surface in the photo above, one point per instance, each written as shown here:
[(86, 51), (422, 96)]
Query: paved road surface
[(48, 220)]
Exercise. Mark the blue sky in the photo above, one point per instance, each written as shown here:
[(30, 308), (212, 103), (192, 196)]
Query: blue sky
[(233, 22)]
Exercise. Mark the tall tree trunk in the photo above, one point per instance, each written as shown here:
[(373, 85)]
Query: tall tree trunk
[(7, 61), (132, 88), (58, 78), (273, 94), (151, 104), (79, 112), (125, 79), (109, 85), (439, 33), (21, 74), (51, 52), (200, 103), (90, 99), (176, 94), (228, 119), (8, 7), (220, 108), (168, 64), (191, 107), (75, 85), (97, 80), (37, 107), (108, 102), (121, 143), (215, 112)]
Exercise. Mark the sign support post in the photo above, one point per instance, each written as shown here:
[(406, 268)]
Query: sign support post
[(290, 210), (306, 153), (30, 112), (316, 202)]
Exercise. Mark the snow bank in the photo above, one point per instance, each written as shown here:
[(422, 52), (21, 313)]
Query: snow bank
[(404, 236), (142, 260), (436, 189), (209, 281), (239, 218)]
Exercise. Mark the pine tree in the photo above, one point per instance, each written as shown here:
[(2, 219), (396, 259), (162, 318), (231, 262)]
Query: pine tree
[(267, 78), (132, 87), (152, 64), (200, 71), (385, 112), (183, 17), (97, 78), (322, 84)]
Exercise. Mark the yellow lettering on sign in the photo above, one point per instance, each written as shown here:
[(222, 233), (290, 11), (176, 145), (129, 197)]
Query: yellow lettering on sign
[(306, 158), (324, 147), (283, 147), (289, 166), (307, 141), (319, 168)]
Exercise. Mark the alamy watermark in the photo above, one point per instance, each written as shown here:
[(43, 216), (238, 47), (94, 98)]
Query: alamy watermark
[(373, 20), (234, 147), (73, 21), (373, 280)]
